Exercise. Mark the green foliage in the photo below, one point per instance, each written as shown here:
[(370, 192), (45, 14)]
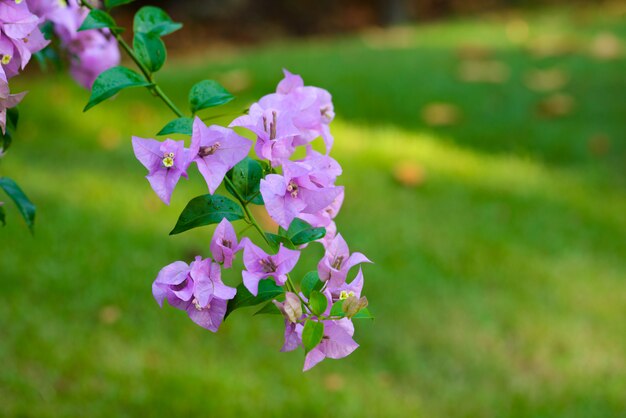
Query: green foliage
[(150, 50), (310, 282), (312, 334), (109, 4), (111, 81), (246, 177), (154, 20), (276, 240), (178, 126), (24, 205), (301, 232), (269, 309), (97, 19), (6, 138), (208, 93), (2, 216), (206, 210), (318, 303), (267, 290)]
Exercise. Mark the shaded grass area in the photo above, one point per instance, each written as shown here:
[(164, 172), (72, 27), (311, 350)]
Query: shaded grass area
[(498, 285)]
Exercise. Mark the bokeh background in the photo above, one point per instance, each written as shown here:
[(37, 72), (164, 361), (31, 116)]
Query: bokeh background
[(484, 154)]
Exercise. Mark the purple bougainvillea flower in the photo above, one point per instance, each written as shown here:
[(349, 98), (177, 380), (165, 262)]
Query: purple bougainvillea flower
[(274, 129), (20, 36), (260, 265), (311, 108), (224, 244), (166, 162), (345, 290), (337, 343), (219, 149), (91, 51), (298, 190), (337, 261), (7, 100), (293, 336), (197, 289)]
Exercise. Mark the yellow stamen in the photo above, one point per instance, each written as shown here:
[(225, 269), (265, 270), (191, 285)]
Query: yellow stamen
[(345, 295), (6, 59)]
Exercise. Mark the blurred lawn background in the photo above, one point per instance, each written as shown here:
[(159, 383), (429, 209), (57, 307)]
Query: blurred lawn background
[(484, 164)]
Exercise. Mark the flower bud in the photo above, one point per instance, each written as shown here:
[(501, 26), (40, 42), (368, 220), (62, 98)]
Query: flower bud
[(352, 305), (291, 308)]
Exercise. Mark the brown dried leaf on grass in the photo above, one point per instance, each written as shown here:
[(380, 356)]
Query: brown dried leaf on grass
[(546, 80), (109, 314), (399, 37), (517, 30), (236, 80), (599, 145), (409, 174), (476, 71), (441, 114), (556, 105), (606, 46), (551, 46)]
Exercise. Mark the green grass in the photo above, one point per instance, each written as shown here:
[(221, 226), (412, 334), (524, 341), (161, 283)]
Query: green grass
[(499, 284)]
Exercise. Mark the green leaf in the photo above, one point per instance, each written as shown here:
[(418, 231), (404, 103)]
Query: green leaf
[(112, 81), (269, 309), (337, 309), (13, 117), (178, 126), (208, 93), (150, 19), (318, 302), (206, 210), (310, 282), (267, 290), (363, 314), (2, 216), (109, 4), (97, 19), (150, 50), (246, 177), (24, 205), (5, 140), (276, 240), (300, 232), (312, 334)]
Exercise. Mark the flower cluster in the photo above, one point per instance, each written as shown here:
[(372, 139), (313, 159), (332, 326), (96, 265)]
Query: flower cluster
[(21, 36), (300, 195)]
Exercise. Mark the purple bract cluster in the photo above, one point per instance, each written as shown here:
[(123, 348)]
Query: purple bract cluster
[(90, 52), (285, 124)]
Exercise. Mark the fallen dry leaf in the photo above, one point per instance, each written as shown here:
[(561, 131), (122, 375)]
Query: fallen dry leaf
[(559, 104), (236, 80), (606, 46), (474, 52), (441, 114), (334, 382), (551, 46), (109, 138), (517, 31), (546, 80), (110, 314), (599, 145), (475, 71), (409, 174)]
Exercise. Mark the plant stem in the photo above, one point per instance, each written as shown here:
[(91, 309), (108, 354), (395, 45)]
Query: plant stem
[(154, 86)]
